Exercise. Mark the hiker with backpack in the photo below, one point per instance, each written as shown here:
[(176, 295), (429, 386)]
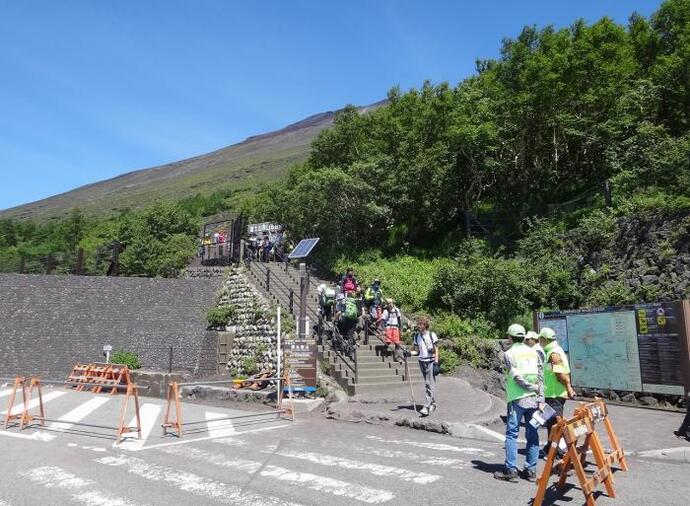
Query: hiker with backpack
[(391, 320), (373, 296), (428, 355), (326, 301), (348, 283), (347, 315)]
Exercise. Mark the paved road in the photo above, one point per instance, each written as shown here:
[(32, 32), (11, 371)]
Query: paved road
[(311, 462)]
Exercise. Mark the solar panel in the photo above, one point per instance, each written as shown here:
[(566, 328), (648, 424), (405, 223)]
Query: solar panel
[(303, 249)]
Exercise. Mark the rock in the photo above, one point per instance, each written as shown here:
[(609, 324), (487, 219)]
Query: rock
[(648, 401), (649, 279), (611, 395), (629, 398)]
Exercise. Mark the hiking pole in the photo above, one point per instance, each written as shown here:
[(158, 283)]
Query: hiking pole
[(409, 380)]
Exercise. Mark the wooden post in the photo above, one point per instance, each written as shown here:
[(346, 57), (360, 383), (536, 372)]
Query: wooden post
[(170, 360), (114, 268), (268, 279), (50, 263), (292, 301), (22, 264), (303, 290), (79, 269)]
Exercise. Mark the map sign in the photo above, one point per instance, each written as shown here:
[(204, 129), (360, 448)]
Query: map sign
[(604, 351), (300, 362), (659, 333)]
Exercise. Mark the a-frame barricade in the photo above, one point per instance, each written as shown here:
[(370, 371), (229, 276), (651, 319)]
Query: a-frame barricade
[(131, 392), (19, 384), (27, 386), (582, 426), (172, 418)]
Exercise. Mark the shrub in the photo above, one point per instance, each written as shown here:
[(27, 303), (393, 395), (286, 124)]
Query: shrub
[(249, 366), (448, 360), (128, 358), (220, 316)]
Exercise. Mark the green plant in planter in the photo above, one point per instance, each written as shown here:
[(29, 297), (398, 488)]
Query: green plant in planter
[(220, 316), (128, 358), (250, 366)]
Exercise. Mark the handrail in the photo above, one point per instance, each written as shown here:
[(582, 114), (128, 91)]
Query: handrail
[(345, 359)]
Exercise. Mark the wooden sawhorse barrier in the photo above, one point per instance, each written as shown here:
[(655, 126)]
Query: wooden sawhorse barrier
[(30, 385), (582, 425), (173, 425)]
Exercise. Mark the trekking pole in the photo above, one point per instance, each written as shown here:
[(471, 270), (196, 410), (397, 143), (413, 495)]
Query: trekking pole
[(409, 380)]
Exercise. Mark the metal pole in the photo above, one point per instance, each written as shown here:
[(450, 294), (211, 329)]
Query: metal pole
[(278, 315), (170, 360), (303, 289), (22, 264), (268, 279), (80, 262), (292, 301)]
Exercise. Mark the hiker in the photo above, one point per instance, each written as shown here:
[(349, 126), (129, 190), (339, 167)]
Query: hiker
[(557, 387), (427, 354), (346, 315), (532, 340), (348, 283), (684, 429), (373, 296), (326, 301), (391, 320), (524, 395), (267, 248)]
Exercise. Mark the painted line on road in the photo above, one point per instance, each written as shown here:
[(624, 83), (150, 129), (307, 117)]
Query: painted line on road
[(207, 438), (442, 447), (420, 478), (68, 420), (5, 393), (220, 428), (314, 482), (81, 490), (190, 482), (148, 414), (34, 402)]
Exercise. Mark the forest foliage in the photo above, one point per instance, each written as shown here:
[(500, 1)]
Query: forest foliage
[(516, 145)]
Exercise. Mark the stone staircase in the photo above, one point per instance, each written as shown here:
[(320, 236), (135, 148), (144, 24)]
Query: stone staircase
[(372, 369)]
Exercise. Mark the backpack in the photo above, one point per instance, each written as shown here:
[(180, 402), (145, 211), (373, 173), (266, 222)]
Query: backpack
[(349, 285), (350, 309), (328, 297)]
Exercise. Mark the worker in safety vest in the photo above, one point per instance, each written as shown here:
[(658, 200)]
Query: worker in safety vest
[(557, 387), (524, 395)]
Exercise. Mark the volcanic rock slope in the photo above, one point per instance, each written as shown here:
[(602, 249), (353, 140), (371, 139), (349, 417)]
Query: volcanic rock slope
[(244, 165)]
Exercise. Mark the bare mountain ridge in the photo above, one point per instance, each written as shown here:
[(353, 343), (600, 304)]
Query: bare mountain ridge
[(257, 159)]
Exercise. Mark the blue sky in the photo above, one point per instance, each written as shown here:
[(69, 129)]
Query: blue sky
[(93, 89)]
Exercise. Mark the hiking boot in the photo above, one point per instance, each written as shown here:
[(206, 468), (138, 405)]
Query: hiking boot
[(424, 411), (529, 475), (506, 475), (432, 408), (681, 435)]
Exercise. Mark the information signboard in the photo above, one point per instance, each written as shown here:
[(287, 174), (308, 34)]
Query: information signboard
[(299, 358), (640, 348)]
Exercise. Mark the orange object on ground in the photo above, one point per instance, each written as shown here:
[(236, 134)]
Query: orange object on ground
[(581, 425)]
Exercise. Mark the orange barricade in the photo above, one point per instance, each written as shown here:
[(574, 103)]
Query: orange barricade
[(29, 386), (98, 376), (582, 426), (173, 424)]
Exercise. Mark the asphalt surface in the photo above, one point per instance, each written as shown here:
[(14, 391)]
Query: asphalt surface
[(266, 461)]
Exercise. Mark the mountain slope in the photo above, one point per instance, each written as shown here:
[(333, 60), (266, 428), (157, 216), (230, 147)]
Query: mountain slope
[(256, 159)]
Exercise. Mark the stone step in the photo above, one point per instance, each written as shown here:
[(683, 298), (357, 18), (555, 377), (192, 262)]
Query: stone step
[(375, 373), (378, 386)]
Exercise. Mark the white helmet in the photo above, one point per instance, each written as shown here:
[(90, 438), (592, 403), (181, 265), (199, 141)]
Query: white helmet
[(516, 330), (531, 334)]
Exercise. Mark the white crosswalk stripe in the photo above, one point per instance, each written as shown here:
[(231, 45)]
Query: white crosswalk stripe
[(190, 482), (81, 490), (433, 446), (312, 481), (5, 393), (218, 428), (148, 414), (68, 420), (34, 402)]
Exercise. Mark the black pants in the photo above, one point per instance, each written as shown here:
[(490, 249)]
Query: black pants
[(684, 428), (557, 404)]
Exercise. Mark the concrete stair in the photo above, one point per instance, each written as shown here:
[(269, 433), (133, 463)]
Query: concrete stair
[(373, 368)]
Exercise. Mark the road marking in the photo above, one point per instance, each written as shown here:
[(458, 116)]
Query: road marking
[(375, 469), (190, 482), (5, 393), (81, 490), (3, 503), (76, 415), (34, 402), (418, 458), (148, 414), (434, 446), (220, 428), (311, 481), (207, 438)]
